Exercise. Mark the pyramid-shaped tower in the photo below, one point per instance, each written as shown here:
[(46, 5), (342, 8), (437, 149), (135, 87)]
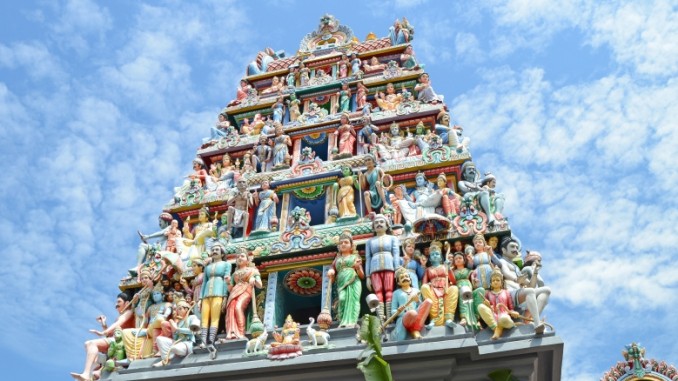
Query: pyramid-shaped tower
[(333, 186)]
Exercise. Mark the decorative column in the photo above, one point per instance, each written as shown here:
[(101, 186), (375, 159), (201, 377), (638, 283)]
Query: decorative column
[(269, 308)]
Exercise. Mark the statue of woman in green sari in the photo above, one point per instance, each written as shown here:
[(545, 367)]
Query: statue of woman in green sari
[(347, 273)]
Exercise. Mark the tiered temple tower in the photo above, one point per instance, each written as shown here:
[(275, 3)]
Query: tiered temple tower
[(317, 147)]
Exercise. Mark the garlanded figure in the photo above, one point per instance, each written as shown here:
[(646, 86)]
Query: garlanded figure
[(214, 292), (382, 256), (344, 96), (346, 138), (106, 338), (343, 65), (533, 297), (424, 90), (287, 342), (181, 329), (278, 110), (157, 314), (164, 221), (347, 272), (304, 74), (470, 187), (196, 237), (438, 286), (373, 65), (450, 201), (267, 199), (344, 193), (239, 204), (227, 174), (482, 260), (411, 314), (390, 100), (408, 61), (281, 156), (293, 105), (372, 181), (241, 288), (360, 96), (471, 297), (414, 262), (136, 344), (422, 201), (394, 145), (497, 311)]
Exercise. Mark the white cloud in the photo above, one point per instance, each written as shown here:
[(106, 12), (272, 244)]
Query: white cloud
[(78, 20), (33, 57)]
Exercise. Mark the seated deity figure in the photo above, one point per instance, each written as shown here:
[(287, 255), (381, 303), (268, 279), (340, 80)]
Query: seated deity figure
[(422, 201), (451, 135), (411, 312), (194, 181), (497, 200), (450, 201), (278, 110), (157, 313), (372, 181), (401, 32), (181, 338), (373, 65), (395, 146), (365, 135), (239, 204), (102, 344), (407, 59), (498, 310), (241, 92), (222, 129), (276, 85), (287, 342), (266, 199), (470, 188), (527, 297), (136, 344), (425, 92), (164, 221), (439, 286), (390, 100), (227, 174)]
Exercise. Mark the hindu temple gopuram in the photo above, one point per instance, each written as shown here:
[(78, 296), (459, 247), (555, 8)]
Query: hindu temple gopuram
[(636, 367), (333, 227)]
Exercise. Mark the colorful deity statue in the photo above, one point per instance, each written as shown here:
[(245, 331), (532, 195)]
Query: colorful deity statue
[(533, 297), (241, 92), (227, 174), (425, 92), (194, 289), (414, 262), (470, 296), (181, 336), (344, 98), (346, 138), (367, 134), (489, 182), (407, 59), (421, 202), (411, 313), (401, 32), (343, 66), (390, 100), (355, 64), (239, 203), (214, 292), (164, 221), (304, 74), (394, 146), (372, 181), (281, 142), (157, 313), (266, 199), (116, 351), (438, 285), (278, 110), (347, 272), (344, 193), (291, 78), (498, 309), (124, 320), (194, 182), (373, 65), (293, 105), (262, 154), (136, 344), (382, 256), (276, 85), (361, 96), (470, 188), (287, 342), (450, 201), (195, 237), (241, 289)]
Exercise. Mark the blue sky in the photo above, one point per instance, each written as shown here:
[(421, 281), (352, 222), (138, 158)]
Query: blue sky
[(573, 105)]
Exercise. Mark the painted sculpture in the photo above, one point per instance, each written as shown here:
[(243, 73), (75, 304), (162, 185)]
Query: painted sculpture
[(287, 342), (390, 100), (438, 285), (181, 328), (410, 313), (214, 292), (344, 193), (266, 199), (239, 204), (382, 256), (346, 138), (498, 309), (470, 297), (281, 156), (372, 182), (240, 290), (347, 272)]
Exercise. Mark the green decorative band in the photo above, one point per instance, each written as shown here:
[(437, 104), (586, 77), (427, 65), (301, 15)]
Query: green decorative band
[(309, 193)]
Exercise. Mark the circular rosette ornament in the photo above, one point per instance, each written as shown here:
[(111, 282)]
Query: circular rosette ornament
[(304, 282)]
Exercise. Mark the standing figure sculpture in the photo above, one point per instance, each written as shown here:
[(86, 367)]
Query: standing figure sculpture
[(196, 237), (343, 65), (267, 199), (401, 32), (438, 285), (497, 200), (407, 59), (344, 193), (347, 272), (347, 137), (382, 256), (281, 154), (239, 204), (360, 96), (241, 288), (355, 64), (262, 154), (304, 74), (411, 314), (413, 262), (344, 96), (470, 188), (214, 292), (195, 288), (372, 181), (136, 344), (278, 110), (293, 105), (471, 297)]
